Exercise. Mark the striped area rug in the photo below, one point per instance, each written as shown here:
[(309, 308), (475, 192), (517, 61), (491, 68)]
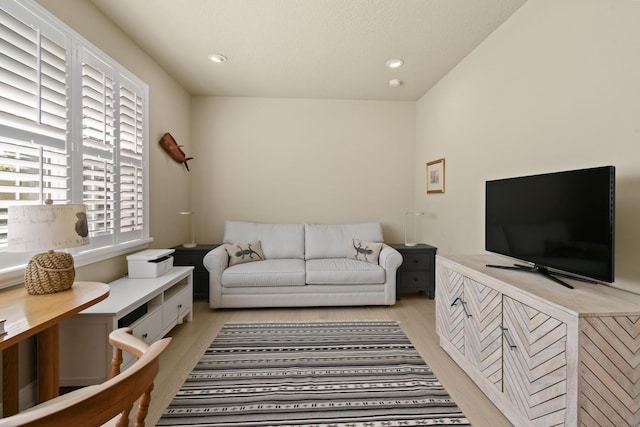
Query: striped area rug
[(332, 374)]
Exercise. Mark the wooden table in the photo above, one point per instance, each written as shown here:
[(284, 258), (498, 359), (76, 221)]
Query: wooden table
[(28, 315)]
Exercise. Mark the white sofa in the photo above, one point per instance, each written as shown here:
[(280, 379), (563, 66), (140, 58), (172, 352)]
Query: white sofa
[(304, 265)]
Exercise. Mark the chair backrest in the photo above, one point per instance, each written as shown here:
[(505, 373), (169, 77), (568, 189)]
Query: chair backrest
[(98, 404)]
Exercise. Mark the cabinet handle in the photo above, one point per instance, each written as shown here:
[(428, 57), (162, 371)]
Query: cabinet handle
[(144, 336), (507, 339), (464, 306), (179, 305)]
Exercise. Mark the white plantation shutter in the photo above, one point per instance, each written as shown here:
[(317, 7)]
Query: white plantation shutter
[(28, 171), (131, 120), (73, 128), (33, 115), (33, 79), (98, 147), (99, 195), (130, 196), (98, 109), (131, 157)]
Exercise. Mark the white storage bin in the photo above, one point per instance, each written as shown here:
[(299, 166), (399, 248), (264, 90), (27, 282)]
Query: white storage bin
[(150, 263)]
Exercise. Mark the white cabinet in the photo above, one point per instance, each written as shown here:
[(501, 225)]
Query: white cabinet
[(544, 354), (449, 316), (535, 363), (151, 307), (177, 303), (469, 319), (482, 326)]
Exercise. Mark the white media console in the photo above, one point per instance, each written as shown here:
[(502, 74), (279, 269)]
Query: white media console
[(151, 307), (544, 354)]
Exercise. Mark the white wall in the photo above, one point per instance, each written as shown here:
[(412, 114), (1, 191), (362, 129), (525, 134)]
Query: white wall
[(556, 87), (301, 160)]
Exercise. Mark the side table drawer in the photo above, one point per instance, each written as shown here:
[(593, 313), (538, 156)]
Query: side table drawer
[(413, 261), (414, 280)]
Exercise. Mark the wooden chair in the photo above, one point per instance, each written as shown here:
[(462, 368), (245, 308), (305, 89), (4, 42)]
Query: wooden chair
[(98, 404)]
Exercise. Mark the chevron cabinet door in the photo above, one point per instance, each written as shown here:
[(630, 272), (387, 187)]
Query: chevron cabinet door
[(449, 314), (609, 371), (535, 363), (483, 337), (469, 316)]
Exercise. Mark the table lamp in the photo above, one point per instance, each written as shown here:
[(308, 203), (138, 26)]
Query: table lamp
[(193, 229), (47, 227), (410, 228)]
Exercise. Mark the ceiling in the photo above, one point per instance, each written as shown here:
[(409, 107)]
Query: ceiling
[(332, 49)]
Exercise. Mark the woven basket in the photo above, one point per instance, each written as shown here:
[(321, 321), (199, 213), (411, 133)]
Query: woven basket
[(48, 273)]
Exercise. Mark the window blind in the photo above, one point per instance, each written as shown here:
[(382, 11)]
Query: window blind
[(33, 80), (98, 147), (73, 127), (131, 158)]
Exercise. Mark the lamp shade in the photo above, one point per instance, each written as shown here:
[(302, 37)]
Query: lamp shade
[(47, 227)]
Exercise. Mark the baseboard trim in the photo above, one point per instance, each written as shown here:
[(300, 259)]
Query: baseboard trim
[(28, 395)]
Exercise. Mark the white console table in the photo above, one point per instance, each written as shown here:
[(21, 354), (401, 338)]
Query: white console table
[(151, 307), (544, 354)]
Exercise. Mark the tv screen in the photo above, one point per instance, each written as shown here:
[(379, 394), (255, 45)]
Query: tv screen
[(561, 220)]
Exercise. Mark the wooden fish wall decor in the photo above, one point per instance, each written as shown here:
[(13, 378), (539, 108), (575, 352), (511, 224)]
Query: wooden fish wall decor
[(173, 149)]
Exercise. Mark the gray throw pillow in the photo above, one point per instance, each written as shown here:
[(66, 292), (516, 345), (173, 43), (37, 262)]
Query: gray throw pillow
[(244, 252), (364, 251)]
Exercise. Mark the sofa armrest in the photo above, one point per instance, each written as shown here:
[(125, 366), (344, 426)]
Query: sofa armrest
[(216, 261), (389, 259)]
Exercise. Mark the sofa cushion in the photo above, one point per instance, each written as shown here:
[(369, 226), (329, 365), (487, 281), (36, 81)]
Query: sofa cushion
[(332, 271), (364, 251), (270, 272), (278, 240), (332, 240), (240, 253)]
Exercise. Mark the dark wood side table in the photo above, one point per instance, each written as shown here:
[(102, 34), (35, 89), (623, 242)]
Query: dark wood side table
[(193, 257), (418, 269)]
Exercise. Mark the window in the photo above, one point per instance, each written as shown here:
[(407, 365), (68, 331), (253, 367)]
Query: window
[(73, 128)]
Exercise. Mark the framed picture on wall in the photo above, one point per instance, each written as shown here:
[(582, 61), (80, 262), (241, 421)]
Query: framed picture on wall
[(435, 176)]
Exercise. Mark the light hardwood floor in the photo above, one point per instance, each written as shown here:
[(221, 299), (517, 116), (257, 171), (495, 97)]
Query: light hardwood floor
[(415, 313)]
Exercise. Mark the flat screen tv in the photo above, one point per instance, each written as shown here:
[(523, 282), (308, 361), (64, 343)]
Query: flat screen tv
[(559, 223)]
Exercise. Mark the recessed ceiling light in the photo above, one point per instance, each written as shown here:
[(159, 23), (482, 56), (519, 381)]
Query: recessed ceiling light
[(394, 63), (217, 58), (395, 82)]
